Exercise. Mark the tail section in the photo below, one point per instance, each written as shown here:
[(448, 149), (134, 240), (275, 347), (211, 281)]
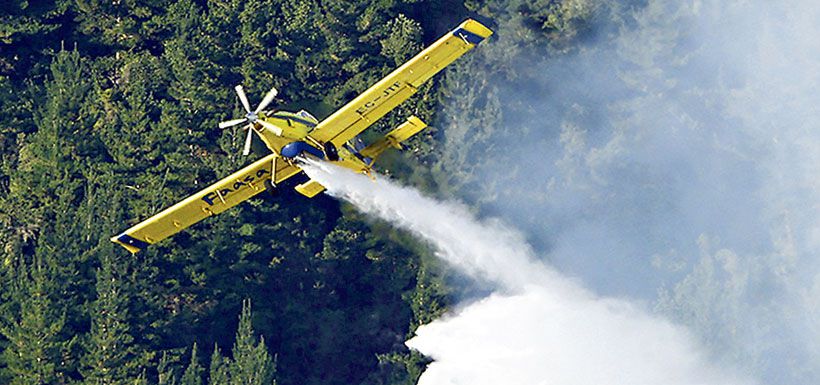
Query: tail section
[(394, 138), (310, 188)]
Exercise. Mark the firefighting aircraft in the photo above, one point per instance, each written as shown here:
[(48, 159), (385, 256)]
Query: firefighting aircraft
[(289, 135)]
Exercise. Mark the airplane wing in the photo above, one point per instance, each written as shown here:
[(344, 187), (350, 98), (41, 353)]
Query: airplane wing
[(399, 85), (216, 198)]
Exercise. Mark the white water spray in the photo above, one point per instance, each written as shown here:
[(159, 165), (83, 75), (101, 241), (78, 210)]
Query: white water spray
[(542, 328)]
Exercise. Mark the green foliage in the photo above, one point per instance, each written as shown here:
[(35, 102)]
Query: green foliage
[(111, 357), (402, 40), (219, 372), (398, 369), (193, 373), (117, 24), (108, 114), (165, 370), (28, 28), (251, 363), (39, 350)]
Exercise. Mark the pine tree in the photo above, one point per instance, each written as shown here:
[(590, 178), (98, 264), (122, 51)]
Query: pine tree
[(140, 380), (165, 371), (402, 39), (50, 161), (193, 373), (116, 24), (110, 350), (26, 28), (251, 364), (37, 348), (218, 371)]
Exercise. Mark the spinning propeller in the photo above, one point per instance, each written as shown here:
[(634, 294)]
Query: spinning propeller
[(252, 117)]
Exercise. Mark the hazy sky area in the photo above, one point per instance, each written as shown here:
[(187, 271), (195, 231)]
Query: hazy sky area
[(675, 161)]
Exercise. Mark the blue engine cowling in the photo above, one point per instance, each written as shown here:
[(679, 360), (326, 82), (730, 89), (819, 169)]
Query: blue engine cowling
[(294, 149)]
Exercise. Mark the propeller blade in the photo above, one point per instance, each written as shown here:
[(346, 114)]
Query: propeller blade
[(247, 149), (270, 126), (231, 123), (266, 100), (243, 98)]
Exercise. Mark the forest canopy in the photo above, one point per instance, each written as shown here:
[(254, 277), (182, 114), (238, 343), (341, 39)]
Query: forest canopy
[(109, 112), (659, 151)]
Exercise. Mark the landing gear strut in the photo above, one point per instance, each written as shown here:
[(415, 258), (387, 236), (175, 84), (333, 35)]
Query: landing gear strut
[(271, 188)]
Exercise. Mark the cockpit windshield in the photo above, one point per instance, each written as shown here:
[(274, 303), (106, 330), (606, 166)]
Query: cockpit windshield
[(307, 116)]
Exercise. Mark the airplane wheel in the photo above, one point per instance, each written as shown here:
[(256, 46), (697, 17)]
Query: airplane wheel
[(330, 152), (271, 188)]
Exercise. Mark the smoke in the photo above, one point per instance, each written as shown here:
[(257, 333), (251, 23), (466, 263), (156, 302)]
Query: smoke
[(539, 327), (672, 160)]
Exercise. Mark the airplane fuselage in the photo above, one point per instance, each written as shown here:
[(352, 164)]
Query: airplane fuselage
[(295, 140)]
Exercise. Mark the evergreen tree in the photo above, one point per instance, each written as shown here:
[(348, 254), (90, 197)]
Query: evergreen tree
[(117, 24), (51, 160), (26, 30), (140, 380), (402, 40), (89, 144), (110, 348), (251, 364), (218, 373), (193, 373), (38, 348), (49, 192), (165, 370)]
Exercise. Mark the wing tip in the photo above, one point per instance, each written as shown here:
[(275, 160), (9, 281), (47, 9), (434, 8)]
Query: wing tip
[(472, 31), (129, 243), (416, 121)]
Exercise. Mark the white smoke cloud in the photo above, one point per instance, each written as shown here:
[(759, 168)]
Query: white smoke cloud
[(540, 328), (676, 161)]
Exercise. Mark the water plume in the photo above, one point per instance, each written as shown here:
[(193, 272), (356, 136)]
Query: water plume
[(538, 327)]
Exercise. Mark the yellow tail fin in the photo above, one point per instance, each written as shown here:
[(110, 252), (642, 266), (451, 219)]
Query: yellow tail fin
[(394, 138)]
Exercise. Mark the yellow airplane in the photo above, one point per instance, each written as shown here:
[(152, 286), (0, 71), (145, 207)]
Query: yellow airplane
[(289, 135)]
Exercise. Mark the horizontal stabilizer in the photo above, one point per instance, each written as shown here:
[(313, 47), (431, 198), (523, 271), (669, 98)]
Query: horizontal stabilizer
[(407, 129), (394, 138), (310, 188)]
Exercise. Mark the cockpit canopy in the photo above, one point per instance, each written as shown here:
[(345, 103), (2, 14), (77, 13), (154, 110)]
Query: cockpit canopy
[(308, 116)]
